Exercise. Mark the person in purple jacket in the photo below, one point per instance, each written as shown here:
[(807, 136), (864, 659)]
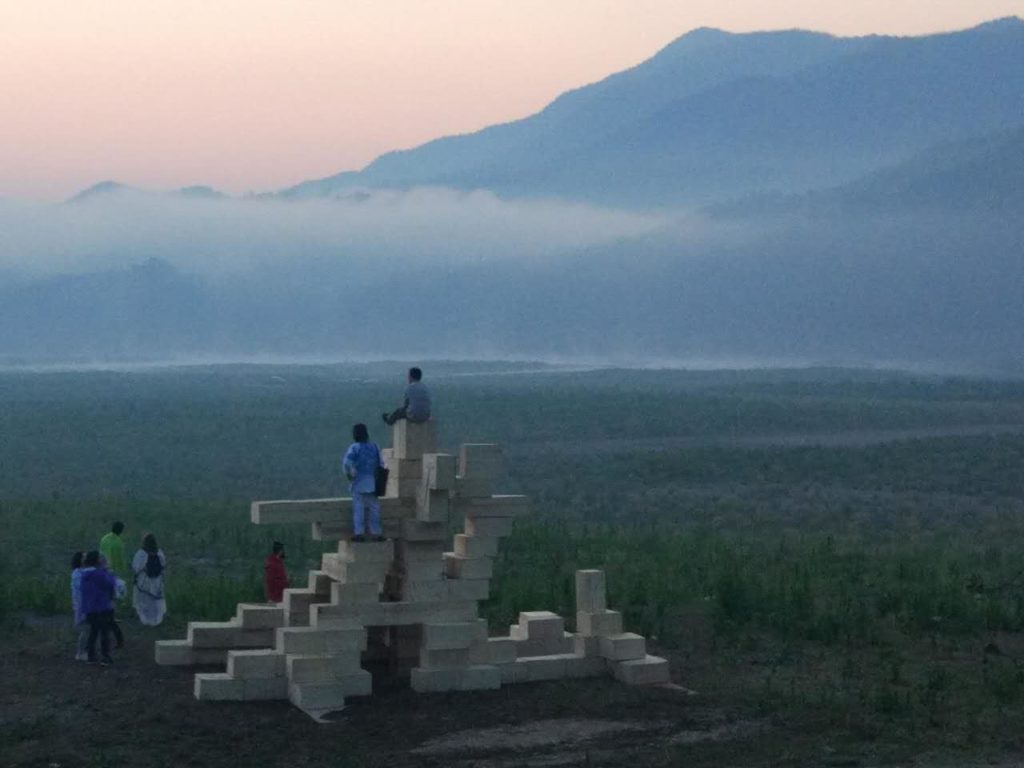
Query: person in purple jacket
[(98, 588)]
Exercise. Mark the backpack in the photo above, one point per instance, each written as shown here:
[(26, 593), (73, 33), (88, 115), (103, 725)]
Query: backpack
[(153, 565)]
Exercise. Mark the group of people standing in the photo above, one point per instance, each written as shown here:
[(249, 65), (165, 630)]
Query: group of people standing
[(98, 580)]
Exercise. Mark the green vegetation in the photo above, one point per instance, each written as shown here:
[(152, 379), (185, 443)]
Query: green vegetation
[(877, 584)]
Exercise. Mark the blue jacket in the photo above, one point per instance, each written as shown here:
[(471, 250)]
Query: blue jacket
[(362, 460), (98, 591)]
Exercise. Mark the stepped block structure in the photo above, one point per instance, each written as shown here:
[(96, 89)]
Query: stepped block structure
[(411, 600)]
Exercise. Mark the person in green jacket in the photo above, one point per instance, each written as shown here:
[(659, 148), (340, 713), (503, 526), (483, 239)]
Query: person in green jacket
[(112, 549)]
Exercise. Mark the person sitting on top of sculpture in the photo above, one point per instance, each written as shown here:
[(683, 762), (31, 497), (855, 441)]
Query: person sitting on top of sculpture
[(416, 407)]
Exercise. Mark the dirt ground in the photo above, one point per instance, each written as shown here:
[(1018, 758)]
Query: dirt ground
[(56, 712)]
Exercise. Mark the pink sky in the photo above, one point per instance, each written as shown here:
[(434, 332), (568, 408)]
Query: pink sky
[(259, 94)]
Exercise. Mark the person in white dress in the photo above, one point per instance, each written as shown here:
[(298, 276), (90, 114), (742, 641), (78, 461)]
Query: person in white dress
[(149, 566)]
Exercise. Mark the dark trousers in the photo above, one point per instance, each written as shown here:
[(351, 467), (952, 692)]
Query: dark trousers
[(115, 627), (396, 415), (101, 625)]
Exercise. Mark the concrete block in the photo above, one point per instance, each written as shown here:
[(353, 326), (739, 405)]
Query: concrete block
[(320, 641), (320, 582), (410, 440), (300, 511), (432, 570), (516, 672), (599, 623), (501, 650), (432, 506), (340, 569), (419, 551), (439, 470), (475, 546), (540, 625), (221, 634), (406, 488), (367, 551), (303, 668), (260, 615), (210, 657), (330, 616), (173, 653), (471, 678), (585, 666), (587, 645), (265, 689), (354, 594), (417, 530), (246, 665), (330, 531), (468, 589), (331, 695), (218, 686), (456, 567), (433, 591), (444, 658), (502, 505), (545, 646), (473, 487), (649, 670), (448, 635), (623, 647), (590, 591), (406, 469), (495, 527), (545, 667)]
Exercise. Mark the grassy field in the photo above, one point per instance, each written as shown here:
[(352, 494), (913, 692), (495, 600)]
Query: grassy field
[(801, 567)]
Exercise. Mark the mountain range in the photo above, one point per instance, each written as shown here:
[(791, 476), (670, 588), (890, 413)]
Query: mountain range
[(807, 197)]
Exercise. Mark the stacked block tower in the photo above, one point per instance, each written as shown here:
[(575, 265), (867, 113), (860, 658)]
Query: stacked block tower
[(409, 600)]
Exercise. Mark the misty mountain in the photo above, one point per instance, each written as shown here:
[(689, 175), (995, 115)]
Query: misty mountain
[(716, 115), (115, 189)]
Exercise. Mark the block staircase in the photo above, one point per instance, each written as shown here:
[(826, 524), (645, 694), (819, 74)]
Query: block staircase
[(409, 599)]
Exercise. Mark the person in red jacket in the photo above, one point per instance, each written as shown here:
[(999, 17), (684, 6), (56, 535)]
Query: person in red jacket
[(275, 577)]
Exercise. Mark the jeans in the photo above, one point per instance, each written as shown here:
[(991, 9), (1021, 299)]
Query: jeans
[(360, 503), (100, 625)]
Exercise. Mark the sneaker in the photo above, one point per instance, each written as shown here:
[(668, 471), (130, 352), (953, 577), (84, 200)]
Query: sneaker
[(106, 661)]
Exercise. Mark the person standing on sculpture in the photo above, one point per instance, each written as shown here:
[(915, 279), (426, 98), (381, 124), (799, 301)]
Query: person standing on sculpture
[(416, 407), (360, 464)]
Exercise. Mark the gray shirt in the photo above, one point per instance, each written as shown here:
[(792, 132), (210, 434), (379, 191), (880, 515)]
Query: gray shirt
[(417, 398)]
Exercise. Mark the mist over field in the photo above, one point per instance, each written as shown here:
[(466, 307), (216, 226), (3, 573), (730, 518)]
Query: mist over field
[(772, 197)]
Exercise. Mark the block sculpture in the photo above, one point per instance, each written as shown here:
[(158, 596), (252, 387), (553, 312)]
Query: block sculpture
[(409, 600)]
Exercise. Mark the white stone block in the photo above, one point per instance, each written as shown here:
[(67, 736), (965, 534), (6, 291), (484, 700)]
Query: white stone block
[(218, 686), (541, 625), (419, 551), (590, 591), (339, 568), (417, 530), (320, 582), (475, 546), (544, 646), (468, 589), (433, 591), (456, 567), (331, 695), (421, 570), (585, 666), (303, 668), (367, 551), (439, 471), (501, 650), (220, 634), (516, 672), (319, 641), (650, 670), (545, 667), (411, 440), (259, 663), (260, 615), (444, 658), (587, 645), (599, 623), (432, 506), (354, 594), (623, 647), (473, 487), (448, 635)]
